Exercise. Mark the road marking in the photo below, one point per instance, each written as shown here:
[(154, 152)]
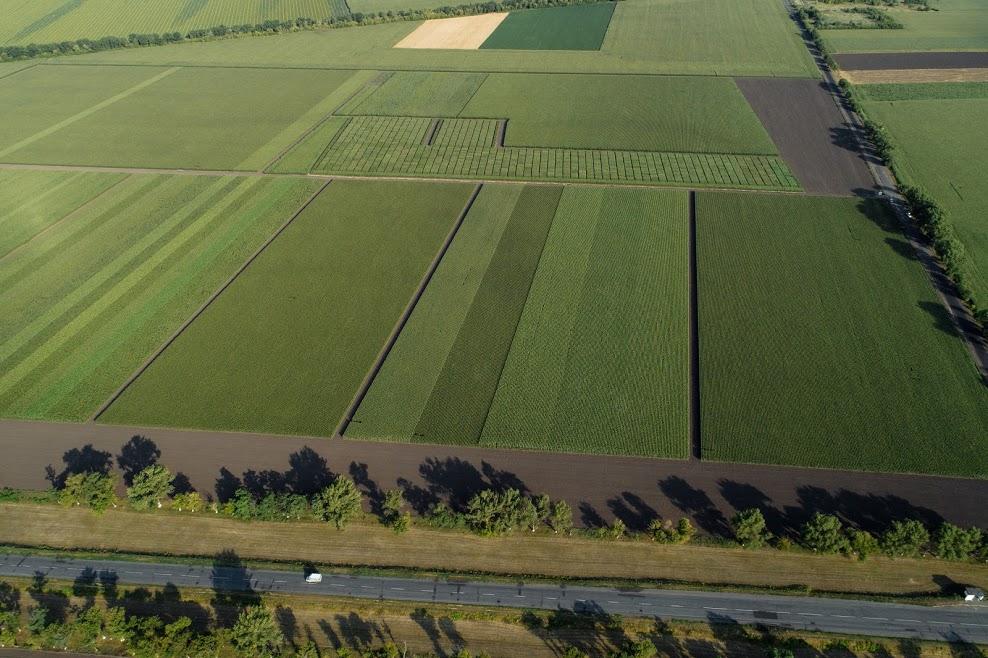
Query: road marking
[(167, 575), (337, 585), (909, 621), (366, 587), (809, 614), (709, 608), (551, 598), (675, 605), (399, 589), (963, 623), (281, 581), (614, 602), (742, 610), (484, 594), (843, 616), (425, 590), (876, 618)]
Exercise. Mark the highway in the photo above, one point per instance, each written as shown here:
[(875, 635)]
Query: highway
[(959, 622)]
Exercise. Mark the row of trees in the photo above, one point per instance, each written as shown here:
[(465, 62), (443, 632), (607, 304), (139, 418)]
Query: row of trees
[(80, 46), (825, 533), (491, 512)]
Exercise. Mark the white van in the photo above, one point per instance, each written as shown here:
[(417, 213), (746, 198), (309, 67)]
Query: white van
[(313, 578)]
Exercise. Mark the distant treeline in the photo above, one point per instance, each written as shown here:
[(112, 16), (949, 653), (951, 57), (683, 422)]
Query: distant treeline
[(82, 46), (920, 5), (875, 19)]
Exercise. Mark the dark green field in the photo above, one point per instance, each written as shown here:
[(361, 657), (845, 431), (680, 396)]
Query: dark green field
[(577, 27)]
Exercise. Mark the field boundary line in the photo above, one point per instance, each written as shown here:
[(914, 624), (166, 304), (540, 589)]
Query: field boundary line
[(12, 73), (406, 314), (330, 143), (430, 132), (694, 332), (78, 116), (65, 217), (202, 308)]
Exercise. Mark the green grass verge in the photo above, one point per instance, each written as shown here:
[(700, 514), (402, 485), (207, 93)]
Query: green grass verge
[(600, 360), (577, 27), (284, 348), (216, 119), (420, 94), (921, 91), (823, 344), (623, 112), (955, 25), (89, 300)]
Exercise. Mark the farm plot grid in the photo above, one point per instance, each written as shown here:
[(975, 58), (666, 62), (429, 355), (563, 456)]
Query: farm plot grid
[(464, 148), (87, 300), (285, 346), (823, 344), (556, 321)]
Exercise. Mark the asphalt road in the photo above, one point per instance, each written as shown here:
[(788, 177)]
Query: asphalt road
[(960, 622)]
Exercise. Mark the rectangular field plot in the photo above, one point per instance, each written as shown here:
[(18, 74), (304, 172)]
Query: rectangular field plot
[(88, 300), (622, 112), (577, 27), (285, 347), (533, 332), (955, 25), (823, 344), (942, 146), (420, 94), (196, 118), (464, 148)]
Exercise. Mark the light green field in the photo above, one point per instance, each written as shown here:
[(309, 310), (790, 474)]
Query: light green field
[(90, 299), (285, 347), (956, 25), (823, 344), (201, 118), (420, 94), (574, 27), (712, 37), (921, 91), (942, 146), (641, 113), (46, 21)]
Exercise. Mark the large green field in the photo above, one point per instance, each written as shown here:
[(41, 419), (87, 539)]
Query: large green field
[(284, 348), (942, 146), (86, 301), (823, 344), (44, 21), (954, 25), (552, 327), (576, 27), (196, 118)]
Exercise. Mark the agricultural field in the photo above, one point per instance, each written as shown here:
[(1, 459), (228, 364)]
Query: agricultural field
[(534, 334), (227, 118), (823, 344), (576, 27), (285, 346), (928, 91), (419, 94), (46, 21), (942, 147), (90, 298), (953, 25)]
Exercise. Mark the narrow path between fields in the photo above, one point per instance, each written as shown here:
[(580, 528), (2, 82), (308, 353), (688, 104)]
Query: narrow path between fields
[(695, 449)]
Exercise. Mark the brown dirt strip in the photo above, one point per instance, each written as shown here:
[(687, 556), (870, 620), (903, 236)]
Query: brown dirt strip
[(599, 488), (917, 60), (874, 76), (810, 133), (696, 452)]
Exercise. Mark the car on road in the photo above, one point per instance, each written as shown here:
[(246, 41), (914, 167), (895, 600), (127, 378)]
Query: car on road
[(314, 577)]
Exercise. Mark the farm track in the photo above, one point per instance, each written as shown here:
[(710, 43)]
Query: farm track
[(598, 487)]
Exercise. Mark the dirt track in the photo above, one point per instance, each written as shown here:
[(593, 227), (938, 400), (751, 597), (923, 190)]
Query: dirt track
[(598, 488), (810, 133), (943, 60)]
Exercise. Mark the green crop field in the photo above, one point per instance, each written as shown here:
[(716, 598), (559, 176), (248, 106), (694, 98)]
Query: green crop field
[(576, 27), (284, 348), (640, 113), (44, 21), (420, 94), (955, 25), (548, 327), (823, 344), (226, 119), (942, 146), (88, 300), (921, 91)]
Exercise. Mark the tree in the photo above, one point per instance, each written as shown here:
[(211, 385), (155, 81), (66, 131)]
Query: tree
[(242, 506), (149, 487), (339, 503), (561, 518), (639, 649), (863, 543), (402, 523), (491, 513), (528, 515), (94, 489), (37, 619), (394, 500), (188, 502), (824, 533), (543, 507), (956, 543), (905, 539), (749, 528), (617, 529), (256, 633), (664, 532)]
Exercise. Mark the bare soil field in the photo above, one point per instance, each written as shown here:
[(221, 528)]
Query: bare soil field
[(810, 133), (900, 76), (599, 488), (462, 33), (931, 60)]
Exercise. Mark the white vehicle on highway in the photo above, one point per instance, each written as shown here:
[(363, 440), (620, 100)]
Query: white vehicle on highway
[(314, 577)]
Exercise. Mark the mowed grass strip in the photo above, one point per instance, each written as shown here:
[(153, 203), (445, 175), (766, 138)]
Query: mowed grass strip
[(600, 361), (31, 201), (285, 347), (421, 94), (90, 299), (196, 118), (576, 27), (396, 400), (459, 402), (823, 344), (622, 112)]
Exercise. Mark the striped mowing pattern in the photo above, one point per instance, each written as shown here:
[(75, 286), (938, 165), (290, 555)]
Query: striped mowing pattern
[(463, 148)]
